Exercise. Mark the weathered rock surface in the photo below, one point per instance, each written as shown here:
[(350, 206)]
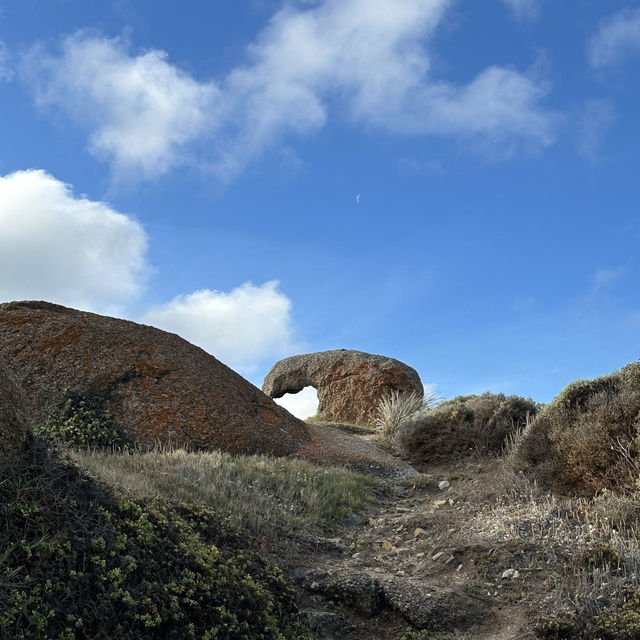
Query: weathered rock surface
[(352, 587), (349, 383), (158, 386), (13, 426)]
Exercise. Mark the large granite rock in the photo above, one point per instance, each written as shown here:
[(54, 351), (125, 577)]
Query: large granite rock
[(157, 386), (13, 425), (349, 383)]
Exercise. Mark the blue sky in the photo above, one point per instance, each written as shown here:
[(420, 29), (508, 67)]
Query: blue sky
[(452, 183)]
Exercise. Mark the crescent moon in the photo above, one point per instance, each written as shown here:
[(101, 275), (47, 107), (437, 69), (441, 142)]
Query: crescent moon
[(358, 198)]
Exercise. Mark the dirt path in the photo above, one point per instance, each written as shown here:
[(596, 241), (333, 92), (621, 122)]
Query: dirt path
[(413, 560)]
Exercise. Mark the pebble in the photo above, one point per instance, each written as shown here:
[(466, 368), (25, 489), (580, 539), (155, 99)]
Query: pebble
[(509, 574), (444, 484)]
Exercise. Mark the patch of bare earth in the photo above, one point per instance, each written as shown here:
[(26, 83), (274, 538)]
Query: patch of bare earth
[(332, 444), (462, 561)]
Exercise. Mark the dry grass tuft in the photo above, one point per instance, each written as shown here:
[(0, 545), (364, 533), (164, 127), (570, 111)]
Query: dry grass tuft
[(397, 408)]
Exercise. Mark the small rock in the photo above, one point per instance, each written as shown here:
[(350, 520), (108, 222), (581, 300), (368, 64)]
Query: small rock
[(509, 574), (444, 484)]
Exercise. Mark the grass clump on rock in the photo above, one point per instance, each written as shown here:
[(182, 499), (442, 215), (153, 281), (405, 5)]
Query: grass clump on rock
[(588, 438), (84, 422), (80, 562), (473, 424)]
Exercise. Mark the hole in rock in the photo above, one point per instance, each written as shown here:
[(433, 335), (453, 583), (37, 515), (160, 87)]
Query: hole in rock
[(303, 404)]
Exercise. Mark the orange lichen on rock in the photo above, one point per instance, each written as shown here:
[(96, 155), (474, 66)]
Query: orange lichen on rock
[(157, 386)]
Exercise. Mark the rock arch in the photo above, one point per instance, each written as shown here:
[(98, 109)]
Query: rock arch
[(349, 383)]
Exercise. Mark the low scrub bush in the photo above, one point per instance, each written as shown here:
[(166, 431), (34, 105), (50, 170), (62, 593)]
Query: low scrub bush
[(474, 424), (78, 562), (588, 438), (84, 422)]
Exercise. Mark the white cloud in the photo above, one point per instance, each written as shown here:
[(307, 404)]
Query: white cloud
[(66, 249), (6, 70), (303, 404), (524, 9), (366, 61), (143, 113), (617, 39), (241, 328), (593, 126)]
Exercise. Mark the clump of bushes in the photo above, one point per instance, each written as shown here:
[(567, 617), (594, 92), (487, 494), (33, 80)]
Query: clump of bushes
[(588, 438), (473, 424), (86, 423), (80, 562)]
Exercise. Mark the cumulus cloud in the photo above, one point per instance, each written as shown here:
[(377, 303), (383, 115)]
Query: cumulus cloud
[(366, 61), (524, 9), (303, 404), (143, 113), (241, 328), (617, 39), (6, 70), (66, 249)]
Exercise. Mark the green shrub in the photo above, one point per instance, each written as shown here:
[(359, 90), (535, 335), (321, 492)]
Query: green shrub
[(588, 438), (84, 422), (474, 424), (80, 562)]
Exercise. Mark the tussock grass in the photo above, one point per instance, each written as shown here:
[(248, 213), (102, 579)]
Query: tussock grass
[(261, 495), (397, 408)]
